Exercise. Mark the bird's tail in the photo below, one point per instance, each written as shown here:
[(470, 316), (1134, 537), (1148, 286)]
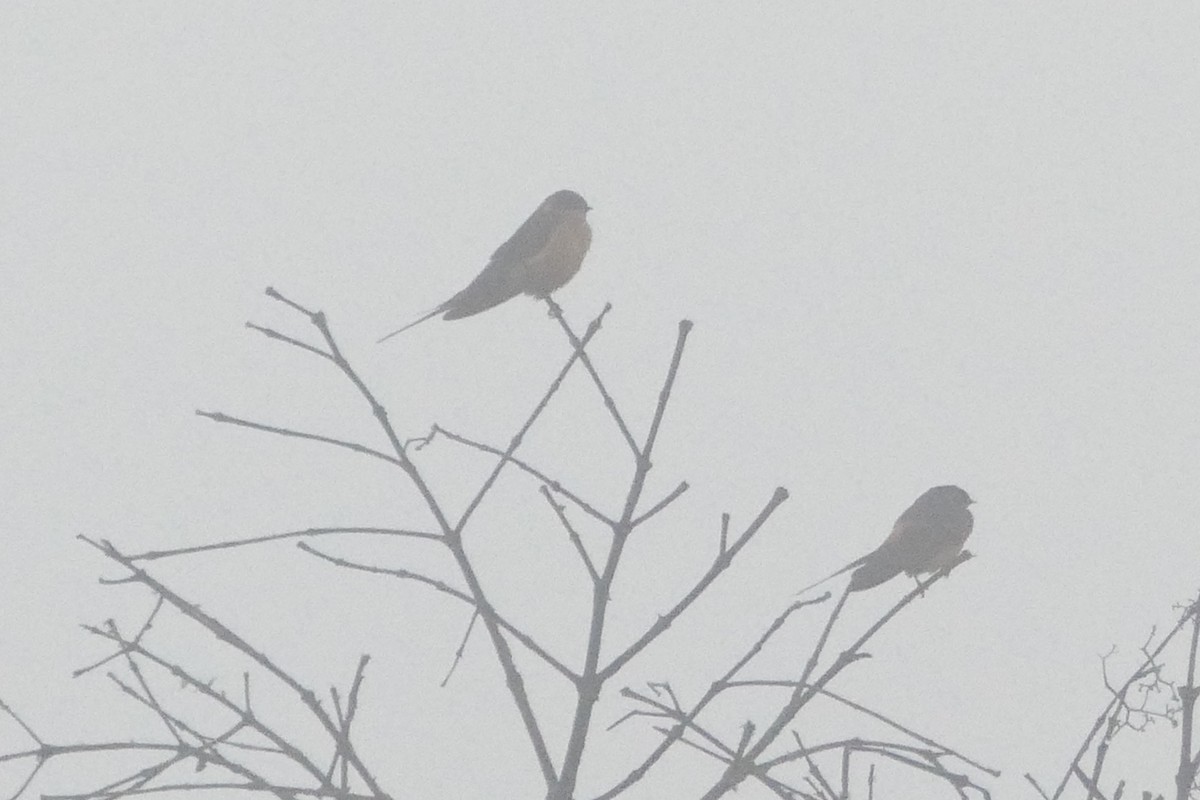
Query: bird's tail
[(417, 321), (873, 572), (483, 293), (833, 575)]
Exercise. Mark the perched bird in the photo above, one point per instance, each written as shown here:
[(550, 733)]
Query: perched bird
[(544, 253), (929, 535)]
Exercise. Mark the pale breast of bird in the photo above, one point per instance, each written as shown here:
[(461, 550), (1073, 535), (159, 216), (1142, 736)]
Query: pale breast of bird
[(560, 259)]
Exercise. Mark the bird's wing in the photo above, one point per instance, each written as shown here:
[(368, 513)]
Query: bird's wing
[(501, 278), (878, 567), (909, 541), (921, 534), (498, 282), (530, 238)]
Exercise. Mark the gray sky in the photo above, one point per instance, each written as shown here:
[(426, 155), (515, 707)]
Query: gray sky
[(921, 242)]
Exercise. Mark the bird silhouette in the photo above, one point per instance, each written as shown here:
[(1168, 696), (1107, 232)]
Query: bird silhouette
[(928, 536), (545, 252)]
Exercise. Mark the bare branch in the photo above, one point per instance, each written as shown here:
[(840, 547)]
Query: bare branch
[(661, 504), (813, 768), (1033, 782), (591, 680), (519, 436), (806, 690), (572, 534), (452, 533), (664, 394), (719, 565), (217, 416), (1118, 698), (544, 479), (151, 555), (158, 606), (458, 594), (7, 709), (274, 334), (640, 771), (458, 654), (222, 632), (1088, 783), (244, 716), (1189, 762), (247, 786), (925, 740)]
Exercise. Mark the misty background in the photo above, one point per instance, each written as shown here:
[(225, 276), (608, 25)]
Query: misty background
[(922, 243)]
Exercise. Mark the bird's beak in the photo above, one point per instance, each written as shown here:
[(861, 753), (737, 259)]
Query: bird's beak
[(587, 208)]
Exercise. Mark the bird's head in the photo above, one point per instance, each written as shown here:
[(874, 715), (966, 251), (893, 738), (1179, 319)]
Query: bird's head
[(947, 496), (566, 200)]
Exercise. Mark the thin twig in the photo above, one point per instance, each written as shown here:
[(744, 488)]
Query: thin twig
[(572, 534), (451, 534), (158, 606), (813, 768), (661, 504), (458, 654), (217, 416), (1033, 782), (874, 715), (806, 690), (151, 555), (719, 565), (257, 785), (274, 334), (447, 589), (222, 632), (7, 709)]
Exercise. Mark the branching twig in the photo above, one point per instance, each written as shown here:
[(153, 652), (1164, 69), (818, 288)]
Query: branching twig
[(591, 678), (458, 594), (805, 689), (525, 467), (1114, 703), (336, 772), (223, 633), (452, 534), (925, 740), (719, 565), (661, 504), (640, 771)]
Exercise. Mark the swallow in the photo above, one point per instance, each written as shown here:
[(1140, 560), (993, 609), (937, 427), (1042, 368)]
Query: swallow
[(545, 252), (928, 536)]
